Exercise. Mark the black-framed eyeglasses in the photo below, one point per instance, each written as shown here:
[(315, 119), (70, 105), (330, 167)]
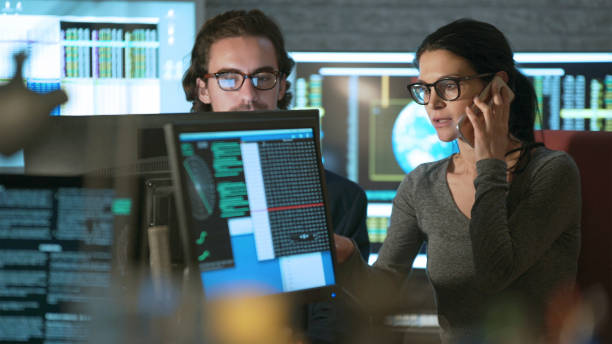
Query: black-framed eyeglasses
[(233, 81), (447, 88)]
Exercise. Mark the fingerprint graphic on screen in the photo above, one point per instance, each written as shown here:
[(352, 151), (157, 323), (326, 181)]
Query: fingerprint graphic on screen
[(201, 186)]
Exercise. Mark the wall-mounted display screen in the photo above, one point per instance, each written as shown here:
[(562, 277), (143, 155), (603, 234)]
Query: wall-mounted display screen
[(373, 133), (111, 57)]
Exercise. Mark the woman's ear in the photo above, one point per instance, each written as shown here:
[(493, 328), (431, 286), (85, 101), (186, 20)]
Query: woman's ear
[(502, 74)]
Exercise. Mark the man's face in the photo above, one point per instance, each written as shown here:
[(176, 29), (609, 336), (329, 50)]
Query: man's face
[(246, 54)]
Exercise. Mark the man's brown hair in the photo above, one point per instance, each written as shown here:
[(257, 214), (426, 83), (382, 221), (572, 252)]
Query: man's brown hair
[(234, 23)]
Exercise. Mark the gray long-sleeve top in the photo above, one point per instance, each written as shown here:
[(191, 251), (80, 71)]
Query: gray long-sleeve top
[(519, 248)]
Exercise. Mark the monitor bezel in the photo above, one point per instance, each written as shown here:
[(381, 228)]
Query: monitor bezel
[(233, 121)]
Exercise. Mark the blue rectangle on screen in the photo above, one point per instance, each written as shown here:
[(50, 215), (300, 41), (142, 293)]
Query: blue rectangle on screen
[(251, 135), (248, 272)]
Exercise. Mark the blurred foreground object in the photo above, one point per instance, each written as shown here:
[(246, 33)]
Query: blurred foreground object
[(24, 113), (249, 320), (135, 312)]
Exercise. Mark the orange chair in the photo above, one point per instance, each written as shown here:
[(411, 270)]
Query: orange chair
[(592, 152)]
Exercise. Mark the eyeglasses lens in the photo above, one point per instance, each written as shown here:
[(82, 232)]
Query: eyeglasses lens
[(230, 81), (419, 93), (264, 80), (233, 81), (447, 89)]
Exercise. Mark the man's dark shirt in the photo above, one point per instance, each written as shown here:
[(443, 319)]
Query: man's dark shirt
[(347, 207), (330, 322)]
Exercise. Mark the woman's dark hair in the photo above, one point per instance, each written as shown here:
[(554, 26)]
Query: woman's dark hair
[(234, 24), (488, 51)]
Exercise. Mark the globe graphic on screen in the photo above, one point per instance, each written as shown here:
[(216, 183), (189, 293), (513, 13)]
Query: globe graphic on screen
[(414, 139)]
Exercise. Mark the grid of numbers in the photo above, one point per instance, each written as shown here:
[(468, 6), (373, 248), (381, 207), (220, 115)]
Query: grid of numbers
[(297, 231), (294, 197)]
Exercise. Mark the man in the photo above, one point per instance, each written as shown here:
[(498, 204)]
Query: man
[(239, 45)]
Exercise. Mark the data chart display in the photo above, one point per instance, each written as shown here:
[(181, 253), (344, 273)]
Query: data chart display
[(256, 209)]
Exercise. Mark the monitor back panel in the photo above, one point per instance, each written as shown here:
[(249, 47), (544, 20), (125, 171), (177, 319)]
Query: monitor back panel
[(107, 144)]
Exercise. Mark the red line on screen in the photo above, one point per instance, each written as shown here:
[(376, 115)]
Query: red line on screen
[(298, 206)]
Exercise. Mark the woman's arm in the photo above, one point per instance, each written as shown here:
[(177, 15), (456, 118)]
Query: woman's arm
[(506, 247), (378, 286)]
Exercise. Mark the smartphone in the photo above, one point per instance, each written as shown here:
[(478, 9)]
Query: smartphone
[(465, 130)]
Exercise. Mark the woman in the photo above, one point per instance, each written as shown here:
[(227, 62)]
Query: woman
[(501, 219)]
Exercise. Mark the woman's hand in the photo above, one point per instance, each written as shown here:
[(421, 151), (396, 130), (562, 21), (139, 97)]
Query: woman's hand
[(491, 139), (344, 248)]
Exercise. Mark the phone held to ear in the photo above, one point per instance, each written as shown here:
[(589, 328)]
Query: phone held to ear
[(465, 130)]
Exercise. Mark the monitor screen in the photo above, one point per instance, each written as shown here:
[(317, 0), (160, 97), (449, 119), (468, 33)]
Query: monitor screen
[(63, 242), (110, 57), (373, 133), (251, 204)]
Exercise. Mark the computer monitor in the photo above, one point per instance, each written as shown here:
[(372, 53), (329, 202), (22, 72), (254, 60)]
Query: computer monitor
[(64, 242), (251, 204)]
